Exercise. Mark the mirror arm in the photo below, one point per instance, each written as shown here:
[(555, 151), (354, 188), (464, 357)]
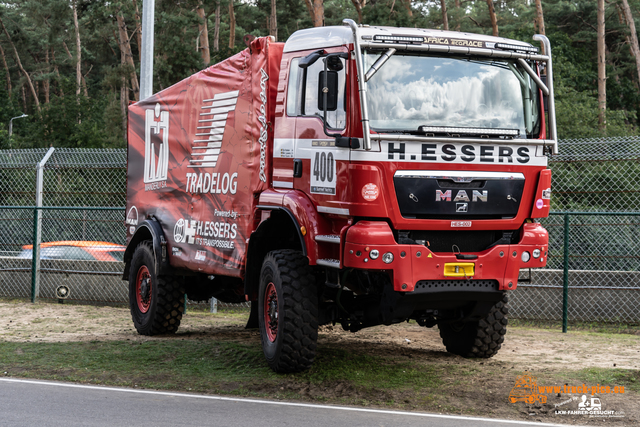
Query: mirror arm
[(534, 76)]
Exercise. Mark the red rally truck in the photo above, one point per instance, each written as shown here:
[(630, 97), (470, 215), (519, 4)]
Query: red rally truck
[(357, 175)]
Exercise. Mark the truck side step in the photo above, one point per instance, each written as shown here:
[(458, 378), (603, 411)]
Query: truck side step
[(333, 263), (329, 238)]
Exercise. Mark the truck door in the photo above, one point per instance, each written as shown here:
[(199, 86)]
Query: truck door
[(320, 167)]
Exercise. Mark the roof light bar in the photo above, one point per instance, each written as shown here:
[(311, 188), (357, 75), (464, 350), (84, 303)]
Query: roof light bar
[(398, 39), (469, 131), (516, 47)]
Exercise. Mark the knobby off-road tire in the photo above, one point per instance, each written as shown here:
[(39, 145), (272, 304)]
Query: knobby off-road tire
[(288, 311), (156, 303), (480, 339)]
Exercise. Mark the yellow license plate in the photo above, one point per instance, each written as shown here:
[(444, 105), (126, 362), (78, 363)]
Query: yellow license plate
[(459, 269)]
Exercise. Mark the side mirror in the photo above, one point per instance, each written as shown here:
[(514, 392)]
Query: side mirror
[(310, 59), (331, 90)]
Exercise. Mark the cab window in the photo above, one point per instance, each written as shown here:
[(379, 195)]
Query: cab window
[(304, 89)]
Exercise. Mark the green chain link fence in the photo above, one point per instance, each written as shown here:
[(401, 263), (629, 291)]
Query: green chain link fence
[(592, 273)]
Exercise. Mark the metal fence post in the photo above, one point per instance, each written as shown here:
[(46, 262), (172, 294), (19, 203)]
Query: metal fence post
[(37, 237), (565, 276), (214, 305), (35, 258)]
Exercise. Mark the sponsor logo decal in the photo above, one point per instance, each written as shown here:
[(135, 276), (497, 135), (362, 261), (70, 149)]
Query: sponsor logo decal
[(214, 183), (156, 165), (176, 251), (431, 152), (262, 118), (184, 231), (206, 148), (370, 192), (454, 42), (539, 203), (546, 194), (216, 234), (201, 255)]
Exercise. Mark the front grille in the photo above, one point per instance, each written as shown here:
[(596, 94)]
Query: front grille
[(464, 241), (434, 286)]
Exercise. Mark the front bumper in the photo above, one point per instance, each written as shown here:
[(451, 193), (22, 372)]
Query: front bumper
[(414, 263)]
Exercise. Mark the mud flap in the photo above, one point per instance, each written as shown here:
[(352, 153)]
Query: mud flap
[(252, 323)]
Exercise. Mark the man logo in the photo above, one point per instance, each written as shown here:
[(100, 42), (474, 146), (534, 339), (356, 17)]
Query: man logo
[(156, 171)]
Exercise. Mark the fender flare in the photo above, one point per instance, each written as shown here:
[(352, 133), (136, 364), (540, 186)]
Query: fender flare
[(250, 287), (149, 229)]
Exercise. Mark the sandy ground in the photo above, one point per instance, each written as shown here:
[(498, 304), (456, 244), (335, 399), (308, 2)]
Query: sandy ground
[(546, 353)]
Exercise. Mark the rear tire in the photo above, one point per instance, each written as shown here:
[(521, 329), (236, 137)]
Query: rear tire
[(480, 339), (156, 303), (288, 311)]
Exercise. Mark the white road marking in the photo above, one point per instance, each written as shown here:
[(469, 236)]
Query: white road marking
[(280, 403)]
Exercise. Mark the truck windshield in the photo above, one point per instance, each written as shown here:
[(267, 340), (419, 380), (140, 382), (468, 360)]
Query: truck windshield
[(411, 92)]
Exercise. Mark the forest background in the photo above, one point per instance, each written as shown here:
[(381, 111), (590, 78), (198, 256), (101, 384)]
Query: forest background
[(73, 65)]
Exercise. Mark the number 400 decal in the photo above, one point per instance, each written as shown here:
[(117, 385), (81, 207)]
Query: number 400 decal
[(323, 176)]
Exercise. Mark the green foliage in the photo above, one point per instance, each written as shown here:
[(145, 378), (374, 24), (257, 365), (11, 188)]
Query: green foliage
[(43, 33)]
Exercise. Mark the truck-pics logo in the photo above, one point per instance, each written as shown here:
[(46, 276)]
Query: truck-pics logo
[(205, 151), (155, 171)]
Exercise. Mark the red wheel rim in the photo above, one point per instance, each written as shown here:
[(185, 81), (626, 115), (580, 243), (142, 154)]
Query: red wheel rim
[(143, 289), (271, 312)]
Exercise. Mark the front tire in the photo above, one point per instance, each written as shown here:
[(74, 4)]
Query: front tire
[(481, 339), (288, 311), (156, 303)]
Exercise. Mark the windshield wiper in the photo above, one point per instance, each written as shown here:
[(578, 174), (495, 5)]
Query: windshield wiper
[(379, 63)]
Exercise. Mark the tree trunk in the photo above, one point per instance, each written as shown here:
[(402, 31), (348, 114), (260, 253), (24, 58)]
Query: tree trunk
[(316, 10), (458, 12), (539, 18), (216, 29), (124, 101), (633, 38), (126, 56), (138, 31), (204, 36), (78, 50), (6, 67), (273, 21), (494, 18), (24, 72), (232, 26), (445, 20), (359, 5), (46, 83), (407, 6), (602, 70)]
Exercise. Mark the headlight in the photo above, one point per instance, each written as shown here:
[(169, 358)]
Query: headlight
[(387, 258), (536, 253), (374, 254), (526, 256)]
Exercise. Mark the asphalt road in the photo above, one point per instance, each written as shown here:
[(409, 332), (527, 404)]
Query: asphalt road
[(51, 404)]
